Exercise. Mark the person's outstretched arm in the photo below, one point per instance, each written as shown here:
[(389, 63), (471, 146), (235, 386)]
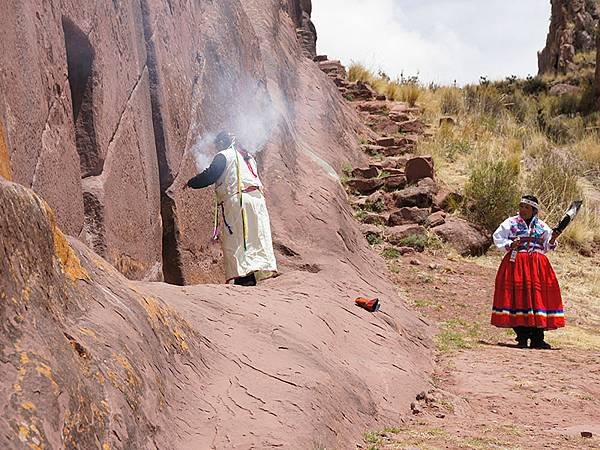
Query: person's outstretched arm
[(210, 175)]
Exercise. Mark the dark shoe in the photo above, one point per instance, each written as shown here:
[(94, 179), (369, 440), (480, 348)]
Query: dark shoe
[(522, 344), (542, 345)]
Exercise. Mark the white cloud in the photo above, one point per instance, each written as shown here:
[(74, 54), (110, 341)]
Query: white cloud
[(441, 40)]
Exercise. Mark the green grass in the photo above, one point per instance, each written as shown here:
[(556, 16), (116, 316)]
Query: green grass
[(374, 239), (457, 334), (391, 253)]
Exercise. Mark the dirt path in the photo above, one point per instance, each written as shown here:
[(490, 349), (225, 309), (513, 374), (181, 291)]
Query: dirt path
[(486, 393)]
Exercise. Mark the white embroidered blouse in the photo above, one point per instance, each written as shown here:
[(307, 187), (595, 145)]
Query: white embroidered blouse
[(535, 237)]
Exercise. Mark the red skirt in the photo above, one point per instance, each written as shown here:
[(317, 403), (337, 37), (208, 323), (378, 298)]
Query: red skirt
[(527, 293)]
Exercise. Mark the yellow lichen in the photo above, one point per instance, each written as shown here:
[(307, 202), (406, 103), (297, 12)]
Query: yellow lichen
[(28, 406), (69, 260), (5, 170), (24, 358), (132, 379), (88, 332), (161, 316), (46, 371), (105, 446), (23, 433)]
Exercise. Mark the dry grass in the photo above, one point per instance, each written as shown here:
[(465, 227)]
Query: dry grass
[(396, 90)]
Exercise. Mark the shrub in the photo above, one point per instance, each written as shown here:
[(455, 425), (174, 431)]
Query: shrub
[(554, 180), (409, 93), (485, 99), (391, 253), (534, 85), (564, 130), (374, 239), (451, 101), (358, 72), (416, 241), (492, 190)]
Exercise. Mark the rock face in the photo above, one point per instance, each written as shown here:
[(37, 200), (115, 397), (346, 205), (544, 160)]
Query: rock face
[(572, 30), (100, 104), (79, 357), (305, 29), (98, 116), (92, 360)]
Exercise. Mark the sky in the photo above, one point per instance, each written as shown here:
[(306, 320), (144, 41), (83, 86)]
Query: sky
[(441, 41)]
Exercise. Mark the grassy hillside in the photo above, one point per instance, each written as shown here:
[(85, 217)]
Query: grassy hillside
[(509, 138)]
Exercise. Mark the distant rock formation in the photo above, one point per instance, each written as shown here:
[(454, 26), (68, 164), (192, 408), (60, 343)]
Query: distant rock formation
[(572, 30)]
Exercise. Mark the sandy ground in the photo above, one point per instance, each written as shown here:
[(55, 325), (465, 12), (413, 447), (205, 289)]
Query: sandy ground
[(486, 393)]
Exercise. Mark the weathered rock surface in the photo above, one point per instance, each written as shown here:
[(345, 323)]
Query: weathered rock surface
[(396, 235), (91, 359), (420, 195), (156, 365), (418, 168), (411, 215)]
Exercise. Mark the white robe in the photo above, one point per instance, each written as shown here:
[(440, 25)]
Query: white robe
[(257, 257)]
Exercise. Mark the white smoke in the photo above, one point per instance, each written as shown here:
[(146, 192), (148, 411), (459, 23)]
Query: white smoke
[(254, 127), (253, 119), (202, 151)]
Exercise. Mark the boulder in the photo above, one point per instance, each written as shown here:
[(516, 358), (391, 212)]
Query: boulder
[(447, 200), (399, 117), (412, 126), (436, 219), (372, 218), (364, 186), (447, 120), (399, 108), (561, 89), (412, 215), (419, 168), (334, 68), (386, 126), (373, 107), (420, 195), (365, 172), (397, 235), (386, 142), (370, 230), (394, 182), (465, 237)]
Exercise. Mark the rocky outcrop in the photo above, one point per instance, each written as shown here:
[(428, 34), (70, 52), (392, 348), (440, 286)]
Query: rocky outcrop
[(572, 30), (86, 361), (101, 103), (92, 360), (305, 28), (466, 238)]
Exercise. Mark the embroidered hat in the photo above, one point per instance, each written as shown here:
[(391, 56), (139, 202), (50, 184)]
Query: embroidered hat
[(531, 201)]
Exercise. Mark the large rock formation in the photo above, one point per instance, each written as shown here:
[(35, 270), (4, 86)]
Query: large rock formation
[(572, 30), (92, 360), (100, 104)]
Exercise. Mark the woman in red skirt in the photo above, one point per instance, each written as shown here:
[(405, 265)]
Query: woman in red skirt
[(527, 296)]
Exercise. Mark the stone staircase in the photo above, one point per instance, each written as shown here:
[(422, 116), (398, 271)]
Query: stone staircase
[(397, 197)]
